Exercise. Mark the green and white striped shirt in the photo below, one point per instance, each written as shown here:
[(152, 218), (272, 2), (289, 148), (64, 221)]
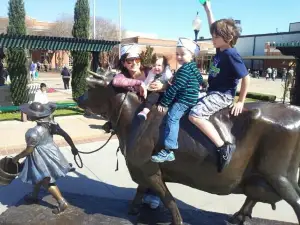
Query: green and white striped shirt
[(185, 86)]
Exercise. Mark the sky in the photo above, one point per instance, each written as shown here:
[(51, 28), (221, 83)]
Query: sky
[(170, 19)]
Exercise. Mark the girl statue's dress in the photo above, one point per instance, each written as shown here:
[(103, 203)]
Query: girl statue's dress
[(46, 160)]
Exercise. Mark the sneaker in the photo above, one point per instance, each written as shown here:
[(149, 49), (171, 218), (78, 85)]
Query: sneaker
[(142, 115), (225, 154), (163, 155), (152, 200)]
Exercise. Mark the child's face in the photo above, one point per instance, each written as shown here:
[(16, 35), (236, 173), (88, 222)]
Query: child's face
[(219, 42), (44, 89), (158, 67), (183, 55)]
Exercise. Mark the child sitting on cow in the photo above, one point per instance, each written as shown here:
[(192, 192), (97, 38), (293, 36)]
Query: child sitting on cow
[(182, 94), (160, 73), (226, 68)]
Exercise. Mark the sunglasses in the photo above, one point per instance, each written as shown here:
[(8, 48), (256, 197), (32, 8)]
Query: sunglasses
[(130, 60)]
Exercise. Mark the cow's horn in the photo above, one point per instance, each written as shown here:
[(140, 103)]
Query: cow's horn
[(96, 75)]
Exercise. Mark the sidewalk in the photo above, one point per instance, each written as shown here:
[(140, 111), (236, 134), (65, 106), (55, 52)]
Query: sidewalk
[(81, 129), (54, 80)]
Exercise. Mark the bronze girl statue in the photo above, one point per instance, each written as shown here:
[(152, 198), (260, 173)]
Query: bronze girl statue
[(44, 162)]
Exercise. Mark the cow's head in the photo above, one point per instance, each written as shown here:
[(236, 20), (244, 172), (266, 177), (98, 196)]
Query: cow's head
[(99, 96)]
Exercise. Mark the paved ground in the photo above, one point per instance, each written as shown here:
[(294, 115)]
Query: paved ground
[(54, 80), (111, 192)]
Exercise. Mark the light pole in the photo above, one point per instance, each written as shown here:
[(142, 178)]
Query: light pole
[(197, 23), (120, 26), (94, 19)]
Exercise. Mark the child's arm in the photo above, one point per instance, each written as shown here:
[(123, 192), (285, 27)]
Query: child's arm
[(210, 17), (32, 138), (26, 152), (239, 105), (179, 81), (56, 129), (149, 79)]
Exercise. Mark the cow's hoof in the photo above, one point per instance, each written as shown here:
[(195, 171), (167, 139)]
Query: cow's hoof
[(177, 223), (134, 211), (238, 218)]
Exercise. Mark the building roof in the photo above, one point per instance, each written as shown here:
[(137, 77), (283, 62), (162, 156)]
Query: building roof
[(55, 43)]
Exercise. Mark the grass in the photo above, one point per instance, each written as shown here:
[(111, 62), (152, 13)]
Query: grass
[(58, 112), (247, 99)]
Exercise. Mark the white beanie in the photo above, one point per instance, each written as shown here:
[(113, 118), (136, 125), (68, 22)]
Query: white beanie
[(133, 50), (190, 45)]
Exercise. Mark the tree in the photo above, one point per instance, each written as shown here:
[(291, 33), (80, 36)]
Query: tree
[(147, 57), (16, 58), (109, 60), (80, 59), (106, 29), (62, 27)]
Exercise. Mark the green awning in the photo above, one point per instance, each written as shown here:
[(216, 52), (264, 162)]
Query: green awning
[(55, 43), (286, 44)]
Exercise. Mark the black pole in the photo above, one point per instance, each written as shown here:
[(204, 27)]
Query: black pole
[(297, 83), (196, 35), (95, 61)]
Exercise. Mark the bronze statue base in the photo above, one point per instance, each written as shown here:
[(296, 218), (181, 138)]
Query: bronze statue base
[(89, 210)]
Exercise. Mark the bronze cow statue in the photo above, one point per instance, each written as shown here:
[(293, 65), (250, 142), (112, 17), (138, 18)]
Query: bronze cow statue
[(264, 166)]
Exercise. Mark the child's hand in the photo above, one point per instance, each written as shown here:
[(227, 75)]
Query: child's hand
[(156, 86), (161, 108), (237, 108), (15, 160), (207, 5), (74, 151)]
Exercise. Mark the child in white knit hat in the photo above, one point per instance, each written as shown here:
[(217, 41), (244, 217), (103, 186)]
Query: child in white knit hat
[(180, 96)]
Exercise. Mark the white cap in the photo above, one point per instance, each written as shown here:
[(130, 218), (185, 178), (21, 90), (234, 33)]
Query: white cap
[(133, 50), (190, 45)]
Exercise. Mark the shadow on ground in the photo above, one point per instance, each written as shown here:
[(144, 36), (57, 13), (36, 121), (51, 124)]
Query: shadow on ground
[(92, 210)]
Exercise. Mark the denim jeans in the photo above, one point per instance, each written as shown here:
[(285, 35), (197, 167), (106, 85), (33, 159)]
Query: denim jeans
[(175, 113)]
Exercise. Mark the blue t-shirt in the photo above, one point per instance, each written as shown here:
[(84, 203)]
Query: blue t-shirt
[(226, 68)]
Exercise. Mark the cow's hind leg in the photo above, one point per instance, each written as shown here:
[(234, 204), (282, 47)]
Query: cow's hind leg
[(137, 201), (246, 211), (158, 185), (287, 192)]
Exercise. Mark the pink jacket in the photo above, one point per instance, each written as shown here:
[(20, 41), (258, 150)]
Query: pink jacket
[(131, 84)]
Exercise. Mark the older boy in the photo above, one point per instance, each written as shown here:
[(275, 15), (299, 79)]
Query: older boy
[(225, 71)]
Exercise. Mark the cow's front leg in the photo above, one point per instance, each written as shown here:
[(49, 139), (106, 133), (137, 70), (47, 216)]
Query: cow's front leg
[(246, 211), (137, 201), (158, 185)]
